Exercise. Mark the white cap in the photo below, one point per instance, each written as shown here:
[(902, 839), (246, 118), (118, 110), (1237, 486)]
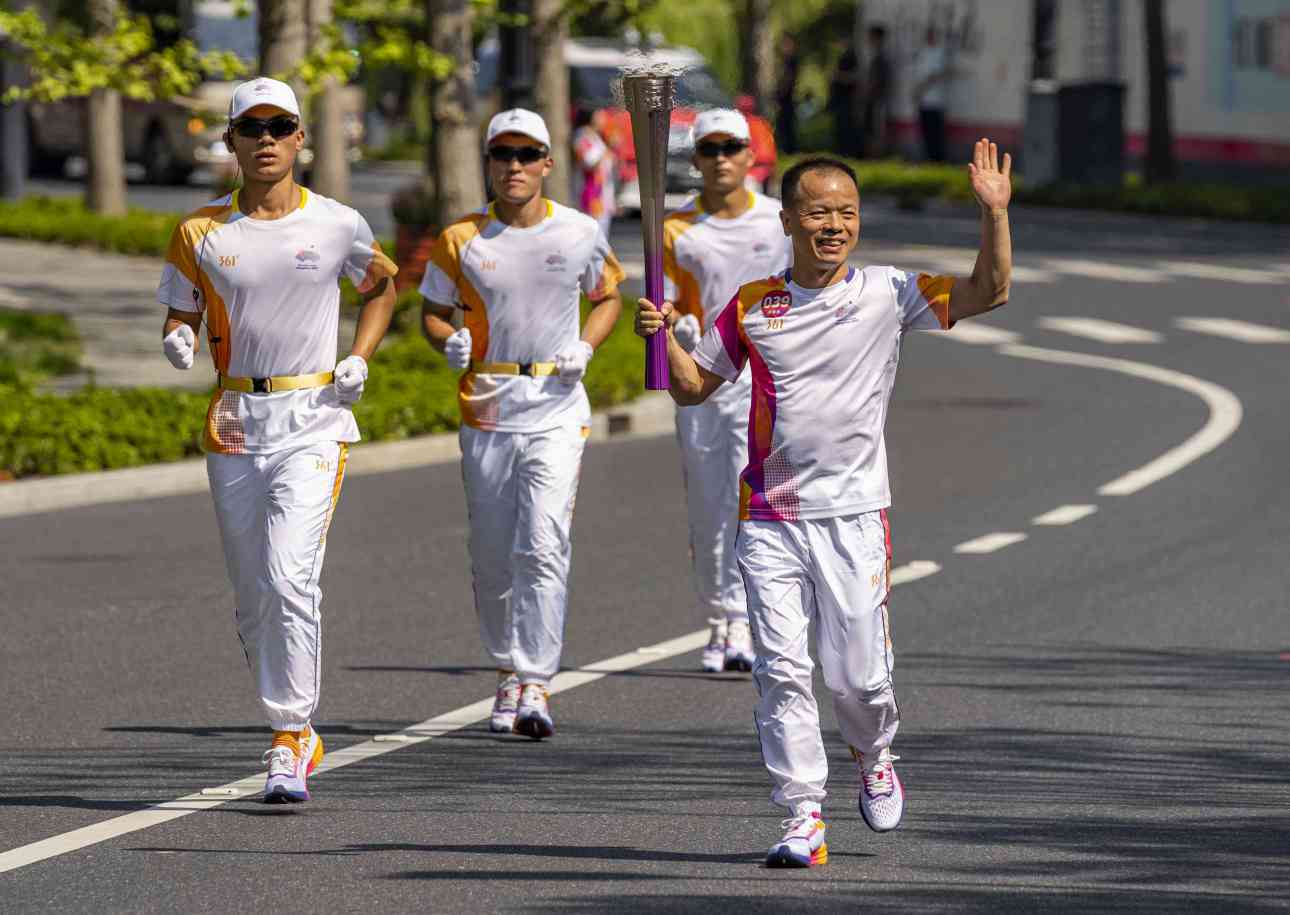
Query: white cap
[(521, 121), (262, 91), (720, 120)]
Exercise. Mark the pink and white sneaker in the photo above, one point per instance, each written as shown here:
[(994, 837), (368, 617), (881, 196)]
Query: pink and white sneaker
[(882, 797), (533, 717), (507, 703), (803, 844), (291, 759), (714, 653)]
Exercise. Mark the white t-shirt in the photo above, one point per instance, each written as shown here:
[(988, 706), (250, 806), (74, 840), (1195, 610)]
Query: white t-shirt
[(271, 301), (930, 62), (707, 259), (519, 291), (823, 365)]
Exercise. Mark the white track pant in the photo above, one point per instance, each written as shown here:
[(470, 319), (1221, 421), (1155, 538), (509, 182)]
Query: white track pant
[(714, 450), (835, 572), (520, 490), (273, 512)]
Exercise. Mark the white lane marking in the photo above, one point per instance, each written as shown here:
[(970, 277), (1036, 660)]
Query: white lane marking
[(1225, 412), (1032, 275), (209, 798), (978, 334), (912, 571), (989, 543), (1064, 514), (1100, 330), (1102, 270), (1222, 273), (1232, 329)]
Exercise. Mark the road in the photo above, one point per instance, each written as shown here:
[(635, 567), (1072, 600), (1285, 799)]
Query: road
[(1094, 713)]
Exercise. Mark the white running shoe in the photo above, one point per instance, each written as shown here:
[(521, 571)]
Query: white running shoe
[(739, 647), (533, 717), (506, 704), (803, 844), (714, 654), (882, 797), (291, 759)]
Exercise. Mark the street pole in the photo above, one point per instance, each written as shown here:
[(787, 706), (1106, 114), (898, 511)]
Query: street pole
[(517, 66), (13, 131)]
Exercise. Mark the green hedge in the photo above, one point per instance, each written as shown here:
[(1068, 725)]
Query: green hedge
[(65, 220), (411, 391), (35, 345), (915, 183)]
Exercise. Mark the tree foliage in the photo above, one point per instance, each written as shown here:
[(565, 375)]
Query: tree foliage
[(65, 60)]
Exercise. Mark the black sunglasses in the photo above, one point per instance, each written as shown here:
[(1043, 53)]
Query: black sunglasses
[(279, 128), (710, 149), (525, 155)]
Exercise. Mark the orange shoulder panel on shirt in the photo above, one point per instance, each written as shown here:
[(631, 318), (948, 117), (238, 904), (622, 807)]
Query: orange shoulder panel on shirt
[(751, 294), (446, 251), (689, 298), (187, 254), (378, 268), (611, 276), (936, 290)]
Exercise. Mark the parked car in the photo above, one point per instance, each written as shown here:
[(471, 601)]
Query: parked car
[(595, 65), (172, 138)]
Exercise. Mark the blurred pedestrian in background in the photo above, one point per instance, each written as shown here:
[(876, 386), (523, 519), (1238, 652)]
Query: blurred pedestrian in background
[(595, 173), (877, 100), (844, 97), (931, 71), (786, 92)]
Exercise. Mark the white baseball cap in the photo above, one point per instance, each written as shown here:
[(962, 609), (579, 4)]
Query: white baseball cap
[(521, 121), (262, 91), (720, 120)]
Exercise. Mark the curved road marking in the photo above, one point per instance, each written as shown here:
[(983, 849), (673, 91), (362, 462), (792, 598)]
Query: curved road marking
[(1225, 412)]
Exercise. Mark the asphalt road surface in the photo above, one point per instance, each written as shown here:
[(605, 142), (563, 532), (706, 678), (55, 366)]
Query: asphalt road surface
[(1094, 701)]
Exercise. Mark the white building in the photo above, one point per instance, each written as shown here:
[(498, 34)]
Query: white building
[(1229, 66)]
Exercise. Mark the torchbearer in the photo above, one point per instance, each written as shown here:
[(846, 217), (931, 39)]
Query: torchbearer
[(723, 237), (516, 270), (261, 266), (814, 544)]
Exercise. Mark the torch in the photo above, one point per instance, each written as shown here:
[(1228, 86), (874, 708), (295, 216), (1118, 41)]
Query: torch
[(648, 94)]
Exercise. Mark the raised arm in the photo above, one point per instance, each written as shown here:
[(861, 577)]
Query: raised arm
[(987, 288), (691, 383)]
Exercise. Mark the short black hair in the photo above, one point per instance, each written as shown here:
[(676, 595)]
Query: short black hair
[(793, 177)]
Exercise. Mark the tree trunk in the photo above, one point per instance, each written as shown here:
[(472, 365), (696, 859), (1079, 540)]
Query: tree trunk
[(757, 54), (105, 142), (550, 29), (1160, 164), (284, 35), (454, 158), (330, 170)]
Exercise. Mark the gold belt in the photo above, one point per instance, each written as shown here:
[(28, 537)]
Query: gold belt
[(280, 383), (532, 369)]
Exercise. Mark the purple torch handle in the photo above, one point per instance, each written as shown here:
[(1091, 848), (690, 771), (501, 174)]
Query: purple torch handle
[(657, 376), (648, 97)]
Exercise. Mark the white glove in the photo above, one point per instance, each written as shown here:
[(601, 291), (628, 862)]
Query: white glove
[(180, 345), (351, 375), (687, 332), (571, 363), (457, 349)]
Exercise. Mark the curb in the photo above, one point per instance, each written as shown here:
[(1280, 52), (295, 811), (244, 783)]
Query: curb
[(648, 416)]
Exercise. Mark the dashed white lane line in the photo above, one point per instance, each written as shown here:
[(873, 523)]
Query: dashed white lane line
[(912, 571), (1225, 412), (1243, 331), (1100, 330), (979, 334), (1223, 273), (1064, 514), (989, 543), (1104, 270), (209, 798)]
